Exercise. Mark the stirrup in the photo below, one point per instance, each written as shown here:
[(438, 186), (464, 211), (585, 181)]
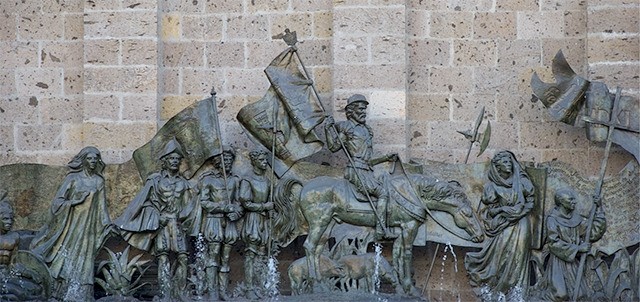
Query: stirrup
[(380, 234)]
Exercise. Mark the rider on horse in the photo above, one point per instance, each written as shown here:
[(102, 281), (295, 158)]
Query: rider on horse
[(356, 137)]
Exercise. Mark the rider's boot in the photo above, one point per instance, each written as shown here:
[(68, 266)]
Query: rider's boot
[(382, 230)]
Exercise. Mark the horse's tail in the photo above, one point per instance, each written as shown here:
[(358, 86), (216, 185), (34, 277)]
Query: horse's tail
[(287, 221)]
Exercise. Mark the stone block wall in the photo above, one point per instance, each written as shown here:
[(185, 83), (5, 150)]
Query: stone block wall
[(110, 73)]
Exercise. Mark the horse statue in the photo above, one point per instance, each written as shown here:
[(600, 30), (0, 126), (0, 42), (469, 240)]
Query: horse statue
[(324, 201)]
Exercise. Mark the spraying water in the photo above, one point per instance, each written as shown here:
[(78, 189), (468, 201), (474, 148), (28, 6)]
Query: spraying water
[(516, 294), (4, 280), (199, 267), (273, 278), (447, 248), (74, 292), (376, 268), (165, 280)]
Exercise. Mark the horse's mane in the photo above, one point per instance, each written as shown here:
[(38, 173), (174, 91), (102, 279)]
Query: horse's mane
[(435, 189)]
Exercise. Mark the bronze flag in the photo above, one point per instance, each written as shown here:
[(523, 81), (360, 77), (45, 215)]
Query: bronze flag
[(578, 102), (194, 128), (292, 104)]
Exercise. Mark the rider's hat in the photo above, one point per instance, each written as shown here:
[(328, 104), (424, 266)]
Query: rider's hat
[(356, 98)]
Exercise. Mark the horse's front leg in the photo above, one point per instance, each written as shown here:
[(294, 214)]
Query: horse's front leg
[(408, 236)]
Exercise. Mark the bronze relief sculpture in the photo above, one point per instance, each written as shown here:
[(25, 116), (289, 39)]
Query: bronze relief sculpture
[(218, 200), (78, 227), (356, 138), (301, 198), (23, 276), (572, 95), (153, 221), (254, 195), (566, 231), (502, 264)]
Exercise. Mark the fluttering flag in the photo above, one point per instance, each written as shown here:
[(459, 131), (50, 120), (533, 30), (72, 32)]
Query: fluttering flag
[(194, 128), (291, 108)]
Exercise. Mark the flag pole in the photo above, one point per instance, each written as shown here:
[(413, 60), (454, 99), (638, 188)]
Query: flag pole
[(291, 40), (219, 133), (273, 171), (598, 194)]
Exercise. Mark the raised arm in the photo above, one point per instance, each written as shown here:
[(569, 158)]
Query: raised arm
[(333, 138)]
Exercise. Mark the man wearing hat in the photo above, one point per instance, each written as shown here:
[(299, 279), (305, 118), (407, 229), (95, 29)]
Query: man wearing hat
[(153, 220), (357, 139)]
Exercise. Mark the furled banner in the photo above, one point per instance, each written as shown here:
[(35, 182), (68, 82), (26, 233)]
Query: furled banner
[(291, 102), (194, 128)]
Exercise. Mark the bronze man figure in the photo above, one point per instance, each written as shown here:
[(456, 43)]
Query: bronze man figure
[(356, 137), (565, 231), (153, 220), (217, 195), (254, 196)]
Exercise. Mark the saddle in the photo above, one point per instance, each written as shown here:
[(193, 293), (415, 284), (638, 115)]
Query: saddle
[(399, 194), (353, 191), (362, 206)]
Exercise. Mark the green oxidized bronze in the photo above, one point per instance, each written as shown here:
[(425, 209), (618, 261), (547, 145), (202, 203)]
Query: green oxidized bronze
[(78, 227), (153, 221), (573, 95), (219, 210), (254, 195), (585, 248), (508, 198), (24, 277)]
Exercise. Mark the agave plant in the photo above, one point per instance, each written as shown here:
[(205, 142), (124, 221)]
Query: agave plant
[(118, 273)]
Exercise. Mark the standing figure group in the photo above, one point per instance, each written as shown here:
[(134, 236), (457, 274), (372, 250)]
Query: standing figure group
[(159, 220), (503, 263)]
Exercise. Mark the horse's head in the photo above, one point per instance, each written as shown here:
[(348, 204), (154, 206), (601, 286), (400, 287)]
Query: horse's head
[(450, 198)]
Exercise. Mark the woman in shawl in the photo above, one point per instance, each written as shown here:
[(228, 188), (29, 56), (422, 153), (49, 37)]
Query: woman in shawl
[(508, 197), (78, 226)]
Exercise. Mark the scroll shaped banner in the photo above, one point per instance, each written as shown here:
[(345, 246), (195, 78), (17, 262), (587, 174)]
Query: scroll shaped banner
[(298, 112), (194, 128)]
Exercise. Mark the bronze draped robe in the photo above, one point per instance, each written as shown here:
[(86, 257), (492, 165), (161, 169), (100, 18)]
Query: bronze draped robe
[(70, 242), (140, 222), (564, 235), (502, 264)]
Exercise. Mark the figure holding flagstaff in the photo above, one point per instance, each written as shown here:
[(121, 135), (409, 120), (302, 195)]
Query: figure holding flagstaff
[(566, 230), (217, 195), (153, 221), (356, 138), (254, 196)]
